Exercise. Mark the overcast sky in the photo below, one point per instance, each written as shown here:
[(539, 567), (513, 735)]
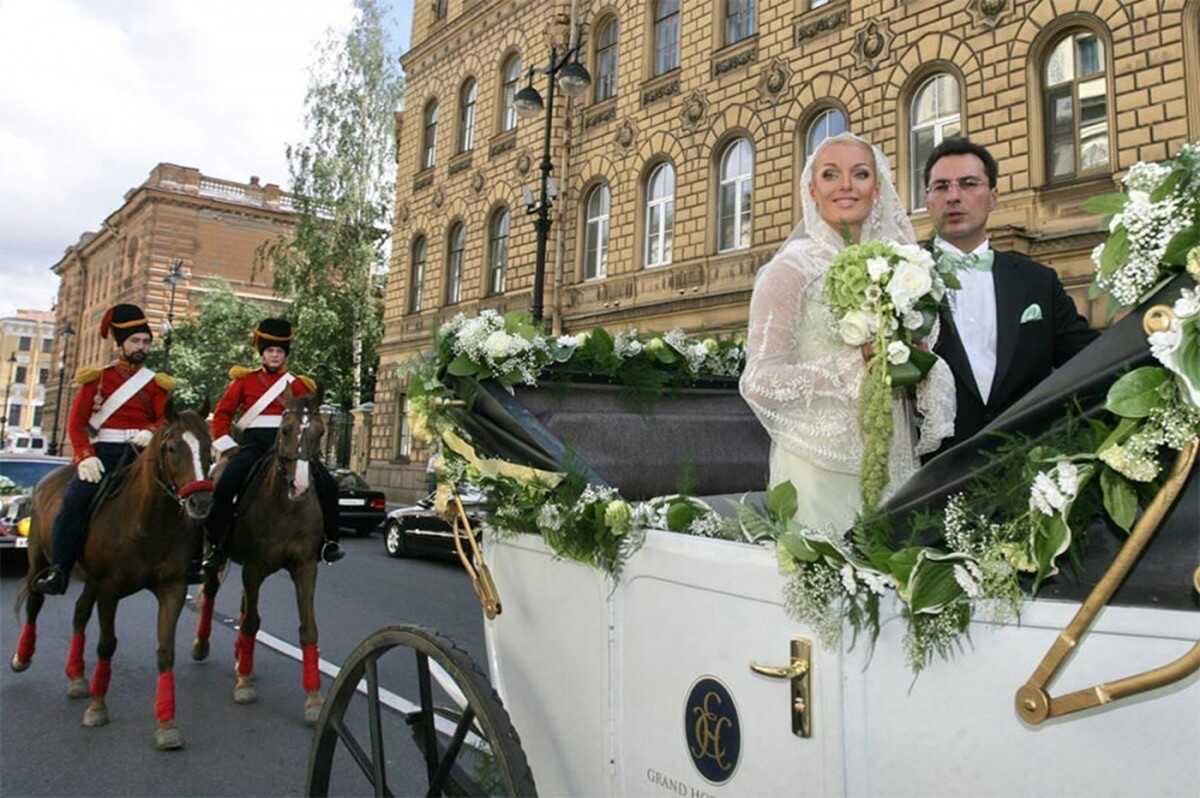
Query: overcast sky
[(96, 92)]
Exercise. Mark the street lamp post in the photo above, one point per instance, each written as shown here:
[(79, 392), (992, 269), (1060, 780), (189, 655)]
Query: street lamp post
[(12, 371), (172, 279), (67, 332), (573, 79)]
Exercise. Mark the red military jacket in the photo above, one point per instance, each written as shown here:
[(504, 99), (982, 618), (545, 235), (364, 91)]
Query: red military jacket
[(245, 388), (144, 410)]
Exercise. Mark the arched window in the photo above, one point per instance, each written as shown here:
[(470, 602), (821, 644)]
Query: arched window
[(606, 60), (936, 115), (498, 251), (454, 263), (466, 116), (416, 281), (1075, 96), (660, 215), (666, 36), (735, 196), (512, 76), (740, 19), (829, 122), (429, 145), (596, 246)]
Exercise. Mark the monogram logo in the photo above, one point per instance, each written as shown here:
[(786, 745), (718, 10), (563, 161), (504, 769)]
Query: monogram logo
[(712, 730)]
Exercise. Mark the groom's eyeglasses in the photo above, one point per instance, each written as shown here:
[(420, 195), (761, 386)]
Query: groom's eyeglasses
[(939, 188)]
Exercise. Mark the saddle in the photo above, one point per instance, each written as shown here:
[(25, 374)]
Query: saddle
[(111, 483)]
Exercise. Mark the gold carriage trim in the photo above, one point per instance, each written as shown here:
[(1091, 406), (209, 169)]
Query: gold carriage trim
[(490, 467)]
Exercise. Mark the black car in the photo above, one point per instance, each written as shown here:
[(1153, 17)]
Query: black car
[(418, 530), (19, 473), (360, 508)]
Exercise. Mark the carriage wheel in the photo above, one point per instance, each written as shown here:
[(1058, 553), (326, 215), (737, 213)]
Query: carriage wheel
[(448, 744)]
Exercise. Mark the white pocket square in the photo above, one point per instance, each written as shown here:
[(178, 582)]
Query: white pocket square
[(1032, 313)]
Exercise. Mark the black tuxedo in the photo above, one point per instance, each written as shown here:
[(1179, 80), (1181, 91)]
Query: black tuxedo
[(1025, 353)]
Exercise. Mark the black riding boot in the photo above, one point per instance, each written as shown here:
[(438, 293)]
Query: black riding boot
[(327, 495)]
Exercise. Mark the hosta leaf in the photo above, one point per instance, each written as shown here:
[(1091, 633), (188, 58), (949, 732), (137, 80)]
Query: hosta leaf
[(1120, 498), (781, 501), (1137, 393)]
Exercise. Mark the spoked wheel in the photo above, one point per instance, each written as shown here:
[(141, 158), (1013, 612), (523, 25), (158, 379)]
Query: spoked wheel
[(449, 736)]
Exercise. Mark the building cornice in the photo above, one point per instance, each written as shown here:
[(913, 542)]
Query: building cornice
[(442, 32)]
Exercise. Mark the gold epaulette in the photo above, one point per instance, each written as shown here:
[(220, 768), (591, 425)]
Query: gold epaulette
[(309, 382), (165, 381), (237, 372), (88, 374)]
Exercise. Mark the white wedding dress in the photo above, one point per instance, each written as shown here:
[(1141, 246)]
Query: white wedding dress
[(803, 381)]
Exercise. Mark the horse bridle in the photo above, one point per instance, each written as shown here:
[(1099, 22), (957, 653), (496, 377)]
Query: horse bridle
[(282, 459), (168, 486)]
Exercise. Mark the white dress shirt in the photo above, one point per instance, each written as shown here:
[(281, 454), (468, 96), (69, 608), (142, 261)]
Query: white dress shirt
[(974, 311)]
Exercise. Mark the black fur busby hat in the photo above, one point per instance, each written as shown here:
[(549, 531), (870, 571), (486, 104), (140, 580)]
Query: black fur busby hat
[(273, 332), (124, 321)]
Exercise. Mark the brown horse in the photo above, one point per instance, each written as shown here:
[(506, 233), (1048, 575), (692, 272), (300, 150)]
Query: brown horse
[(140, 539), (278, 526)]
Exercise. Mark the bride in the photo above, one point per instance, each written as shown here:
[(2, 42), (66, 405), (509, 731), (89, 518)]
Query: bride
[(801, 379)]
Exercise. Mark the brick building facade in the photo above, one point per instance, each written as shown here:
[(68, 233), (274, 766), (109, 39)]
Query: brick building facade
[(211, 227), (678, 169)]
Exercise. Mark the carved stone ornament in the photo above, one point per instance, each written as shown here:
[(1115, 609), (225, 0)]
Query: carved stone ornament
[(990, 13), (439, 197), (873, 44), (735, 61), (624, 138), (808, 28), (523, 163), (477, 181), (601, 117), (694, 111), (658, 92), (402, 213), (773, 84)]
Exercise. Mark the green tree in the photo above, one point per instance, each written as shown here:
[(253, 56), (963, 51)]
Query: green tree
[(204, 347), (343, 181)]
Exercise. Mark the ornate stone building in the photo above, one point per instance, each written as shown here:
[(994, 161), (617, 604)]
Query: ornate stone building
[(209, 226), (26, 358), (677, 171)]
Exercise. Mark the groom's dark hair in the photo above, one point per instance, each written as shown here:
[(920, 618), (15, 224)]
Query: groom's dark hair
[(960, 145)]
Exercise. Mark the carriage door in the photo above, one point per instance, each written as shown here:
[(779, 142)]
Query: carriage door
[(690, 716)]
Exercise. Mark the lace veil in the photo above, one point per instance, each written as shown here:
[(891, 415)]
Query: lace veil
[(801, 380)]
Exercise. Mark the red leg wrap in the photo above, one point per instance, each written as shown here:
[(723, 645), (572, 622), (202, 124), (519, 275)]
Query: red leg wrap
[(243, 649), (204, 627), (75, 666), (101, 677), (27, 642), (164, 697), (312, 669)]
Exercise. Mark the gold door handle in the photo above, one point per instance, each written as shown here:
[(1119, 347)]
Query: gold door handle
[(799, 673)]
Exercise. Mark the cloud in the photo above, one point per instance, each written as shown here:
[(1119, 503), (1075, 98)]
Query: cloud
[(100, 91)]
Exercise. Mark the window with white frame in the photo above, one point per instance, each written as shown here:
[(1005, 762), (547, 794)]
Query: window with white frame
[(1075, 92), (936, 116), (829, 122), (466, 116), (740, 19), (606, 60), (416, 282), (666, 36), (454, 263), (735, 196), (403, 434), (498, 251), (596, 246), (512, 77), (429, 148), (660, 215)]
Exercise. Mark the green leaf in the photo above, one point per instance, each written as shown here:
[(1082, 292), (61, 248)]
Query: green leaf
[(901, 564), (795, 545), (1137, 393), (754, 526), (781, 501), (681, 514), (1051, 539), (1106, 204), (933, 586), (1181, 244), (462, 366), (904, 374), (1116, 252), (1125, 428), (1120, 498), (1168, 186), (1188, 356)]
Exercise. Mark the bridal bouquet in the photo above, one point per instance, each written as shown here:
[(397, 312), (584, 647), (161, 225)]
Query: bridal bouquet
[(886, 295)]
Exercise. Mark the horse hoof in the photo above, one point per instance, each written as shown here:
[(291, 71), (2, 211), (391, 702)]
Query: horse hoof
[(312, 708), (245, 692), (18, 665), (168, 738), (199, 650), (95, 716), (78, 688)]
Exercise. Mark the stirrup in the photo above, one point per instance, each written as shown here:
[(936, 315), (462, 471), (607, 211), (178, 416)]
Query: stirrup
[(52, 581), (214, 559), (331, 551)]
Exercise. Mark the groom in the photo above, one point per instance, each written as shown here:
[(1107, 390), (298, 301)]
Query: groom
[(1011, 323)]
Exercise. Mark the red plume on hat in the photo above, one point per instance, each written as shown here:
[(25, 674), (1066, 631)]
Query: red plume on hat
[(105, 322)]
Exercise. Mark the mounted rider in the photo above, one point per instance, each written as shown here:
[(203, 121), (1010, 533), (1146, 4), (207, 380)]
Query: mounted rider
[(256, 397), (118, 407)]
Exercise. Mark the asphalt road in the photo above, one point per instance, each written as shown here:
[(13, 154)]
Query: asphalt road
[(256, 749)]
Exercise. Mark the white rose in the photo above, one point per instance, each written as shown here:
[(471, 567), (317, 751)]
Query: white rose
[(1188, 304), (908, 284), (913, 320), (1163, 344), (855, 328), (897, 353), (878, 268), (1139, 198), (917, 256), (497, 344)]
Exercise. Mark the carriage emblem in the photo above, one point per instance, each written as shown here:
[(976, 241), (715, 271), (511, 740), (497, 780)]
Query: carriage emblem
[(712, 730)]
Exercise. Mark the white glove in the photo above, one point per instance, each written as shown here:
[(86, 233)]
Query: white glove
[(142, 438), (90, 469), (222, 445)]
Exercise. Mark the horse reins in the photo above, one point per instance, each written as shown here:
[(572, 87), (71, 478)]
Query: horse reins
[(168, 486)]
